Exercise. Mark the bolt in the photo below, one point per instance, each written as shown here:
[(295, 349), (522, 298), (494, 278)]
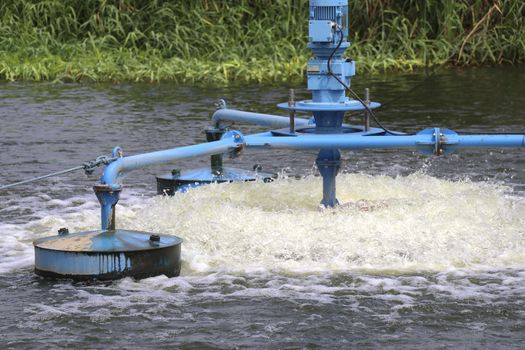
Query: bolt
[(175, 172), (154, 238), (63, 231)]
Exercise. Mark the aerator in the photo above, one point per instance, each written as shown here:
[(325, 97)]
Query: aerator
[(111, 253)]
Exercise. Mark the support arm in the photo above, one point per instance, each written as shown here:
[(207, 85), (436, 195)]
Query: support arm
[(108, 191), (231, 140), (269, 120), (426, 141)]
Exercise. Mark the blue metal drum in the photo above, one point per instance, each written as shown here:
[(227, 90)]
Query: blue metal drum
[(106, 255)]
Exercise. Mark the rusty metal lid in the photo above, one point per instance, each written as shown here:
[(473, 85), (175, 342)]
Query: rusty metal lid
[(107, 241)]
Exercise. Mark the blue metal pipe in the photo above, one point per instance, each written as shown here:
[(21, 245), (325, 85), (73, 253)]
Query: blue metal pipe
[(234, 139), (348, 141), (489, 140), (108, 198), (331, 141), (329, 162), (230, 140), (269, 120)]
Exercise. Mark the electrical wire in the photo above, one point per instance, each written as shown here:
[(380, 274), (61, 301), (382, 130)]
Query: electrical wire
[(352, 92), (372, 114)]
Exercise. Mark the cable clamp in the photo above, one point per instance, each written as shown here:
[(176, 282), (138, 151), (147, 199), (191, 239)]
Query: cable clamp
[(90, 166)]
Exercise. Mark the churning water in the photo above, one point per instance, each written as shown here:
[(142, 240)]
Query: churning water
[(426, 253)]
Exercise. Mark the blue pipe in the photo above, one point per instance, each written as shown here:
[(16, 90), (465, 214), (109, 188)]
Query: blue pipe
[(269, 120), (481, 140), (234, 139), (347, 141), (108, 198), (112, 172), (329, 141)]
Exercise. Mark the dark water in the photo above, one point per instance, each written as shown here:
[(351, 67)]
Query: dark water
[(440, 265)]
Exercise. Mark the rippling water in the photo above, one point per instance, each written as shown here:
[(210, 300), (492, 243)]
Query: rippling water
[(431, 256)]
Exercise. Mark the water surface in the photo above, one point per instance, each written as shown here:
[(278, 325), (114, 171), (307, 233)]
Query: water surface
[(437, 262)]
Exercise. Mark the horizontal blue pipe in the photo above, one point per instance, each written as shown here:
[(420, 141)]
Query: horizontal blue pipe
[(342, 141), (273, 121), (481, 140), (114, 170), (308, 141), (347, 141)]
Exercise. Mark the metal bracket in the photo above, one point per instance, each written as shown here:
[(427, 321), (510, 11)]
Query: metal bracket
[(438, 142), (435, 140), (108, 198), (239, 140), (220, 104)]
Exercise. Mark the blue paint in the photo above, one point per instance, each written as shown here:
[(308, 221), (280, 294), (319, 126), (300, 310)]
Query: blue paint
[(188, 179), (329, 162), (268, 120), (114, 171), (108, 197)]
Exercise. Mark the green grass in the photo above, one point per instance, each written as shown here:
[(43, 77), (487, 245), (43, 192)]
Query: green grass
[(217, 41)]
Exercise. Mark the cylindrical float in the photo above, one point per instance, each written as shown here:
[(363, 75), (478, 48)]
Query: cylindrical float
[(107, 255)]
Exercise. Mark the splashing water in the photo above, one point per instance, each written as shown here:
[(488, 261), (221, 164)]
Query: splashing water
[(409, 223), (413, 222)]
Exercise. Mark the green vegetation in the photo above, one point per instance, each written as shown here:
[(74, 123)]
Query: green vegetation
[(218, 41)]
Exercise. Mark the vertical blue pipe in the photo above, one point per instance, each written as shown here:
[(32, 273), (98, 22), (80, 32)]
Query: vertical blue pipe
[(329, 162), (108, 198)]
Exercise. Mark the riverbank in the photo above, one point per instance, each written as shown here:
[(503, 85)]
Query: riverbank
[(209, 41)]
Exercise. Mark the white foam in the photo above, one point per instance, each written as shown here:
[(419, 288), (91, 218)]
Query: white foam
[(416, 223)]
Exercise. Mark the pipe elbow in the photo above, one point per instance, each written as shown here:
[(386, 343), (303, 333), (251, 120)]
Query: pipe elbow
[(111, 174), (217, 118)]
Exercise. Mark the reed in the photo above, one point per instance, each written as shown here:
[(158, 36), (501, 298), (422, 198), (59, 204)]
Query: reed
[(215, 41)]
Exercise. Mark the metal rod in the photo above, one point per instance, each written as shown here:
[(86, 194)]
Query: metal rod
[(367, 114), (291, 103), (215, 159), (4, 187), (307, 141)]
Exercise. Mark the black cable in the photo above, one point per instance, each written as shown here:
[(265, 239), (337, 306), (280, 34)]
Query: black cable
[(354, 94)]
